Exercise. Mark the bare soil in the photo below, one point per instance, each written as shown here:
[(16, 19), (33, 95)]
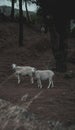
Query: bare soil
[(57, 103)]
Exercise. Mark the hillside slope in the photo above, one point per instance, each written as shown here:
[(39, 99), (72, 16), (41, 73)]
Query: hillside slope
[(51, 106)]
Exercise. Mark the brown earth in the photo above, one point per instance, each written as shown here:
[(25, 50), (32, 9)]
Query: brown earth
[(56, 103)]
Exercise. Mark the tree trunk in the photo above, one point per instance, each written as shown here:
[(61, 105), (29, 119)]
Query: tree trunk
[(27, 13), (20, 24), (12, 9), (59, 47), (61, 61)]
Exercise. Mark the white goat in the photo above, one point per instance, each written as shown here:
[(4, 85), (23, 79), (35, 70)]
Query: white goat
[(23, 71), (44, 75)]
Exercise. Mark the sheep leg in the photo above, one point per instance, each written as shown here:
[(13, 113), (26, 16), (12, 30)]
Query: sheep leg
[(32, 80), (18, 78), (39, 83), (52, 84), (49, 84)]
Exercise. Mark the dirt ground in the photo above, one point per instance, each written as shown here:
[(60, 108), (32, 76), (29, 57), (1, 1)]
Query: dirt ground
[(57, 103)]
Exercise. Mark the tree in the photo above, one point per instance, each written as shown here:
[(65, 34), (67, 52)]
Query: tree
[(27, 13), (20, 24), (57, 15), (12, 8), (20, 20)]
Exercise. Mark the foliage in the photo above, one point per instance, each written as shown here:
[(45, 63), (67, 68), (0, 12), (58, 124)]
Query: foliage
[(58, 9), (55, 18)]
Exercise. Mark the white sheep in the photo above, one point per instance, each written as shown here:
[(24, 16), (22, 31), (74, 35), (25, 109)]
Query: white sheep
[(23, 71), (44, 75)]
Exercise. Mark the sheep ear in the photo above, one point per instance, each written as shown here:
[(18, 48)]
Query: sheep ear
[(35, 69)]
